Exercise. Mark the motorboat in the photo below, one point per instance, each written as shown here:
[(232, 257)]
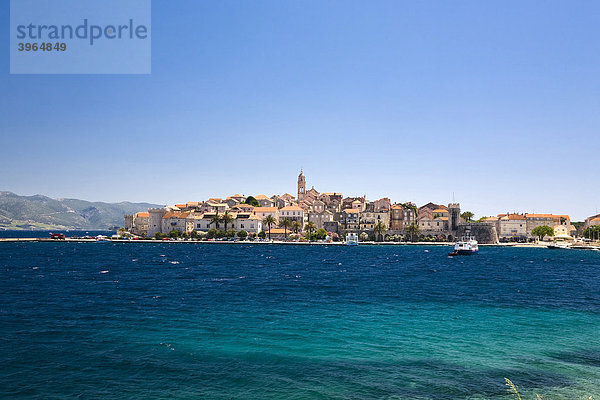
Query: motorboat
[(464, 247), (556, 245)]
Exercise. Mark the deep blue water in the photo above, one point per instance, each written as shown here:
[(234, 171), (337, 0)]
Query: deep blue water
[(189, 321), (46, 234)]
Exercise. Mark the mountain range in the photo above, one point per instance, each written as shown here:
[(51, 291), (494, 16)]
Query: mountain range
[(41, 212)]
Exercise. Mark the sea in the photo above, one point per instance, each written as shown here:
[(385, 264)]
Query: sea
[(43, 234), (254, 321)]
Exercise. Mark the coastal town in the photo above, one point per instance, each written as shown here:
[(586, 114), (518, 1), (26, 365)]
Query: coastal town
[(314, 215)]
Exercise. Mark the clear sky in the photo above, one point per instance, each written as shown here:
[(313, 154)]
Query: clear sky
[(497, 102)]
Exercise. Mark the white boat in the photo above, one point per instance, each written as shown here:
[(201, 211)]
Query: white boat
[(352, 239), (464, 247), (557, 245), (101, 238)]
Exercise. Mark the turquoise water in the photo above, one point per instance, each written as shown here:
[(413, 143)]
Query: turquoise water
[(172, 320)]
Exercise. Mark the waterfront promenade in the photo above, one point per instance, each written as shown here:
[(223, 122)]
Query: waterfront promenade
[(591, 246)]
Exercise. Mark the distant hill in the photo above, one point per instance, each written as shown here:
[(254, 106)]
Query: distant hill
[(41, 212)]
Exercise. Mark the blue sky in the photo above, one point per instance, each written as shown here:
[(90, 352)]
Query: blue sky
[(495, 101)]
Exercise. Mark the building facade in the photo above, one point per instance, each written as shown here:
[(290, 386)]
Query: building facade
[(512, 226), (320, 218), (292, 213)]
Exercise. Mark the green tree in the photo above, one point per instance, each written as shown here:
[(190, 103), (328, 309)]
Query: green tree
[(321, 234), (175, 234), (252, 201), (310, 228), (269, 220), (412, 230), (242, 234), (230, 234), (215, 220), (194, 234), (467, 216), (285, 224), (412, 207), (542, 231), (363, 237), (592, 232), (296, 226), (212, 233), (262, 234), (226, 219), (159, 235), (380, 229)]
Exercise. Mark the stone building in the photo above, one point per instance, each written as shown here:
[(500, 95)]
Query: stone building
[(262, 212), (140, 223), (265, 201), (231, 202), (512, 226), (381, 205), (369, 219), (293, 213), (551, 220), (436, 226), (430, 209), (354, 202), (484, 233), (174, 221), (402, 216), (320, 218), (594, 220), (155, 220), (350, 219)]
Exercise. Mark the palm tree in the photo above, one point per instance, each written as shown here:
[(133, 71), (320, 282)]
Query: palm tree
[(285, 224), (269, 220), (215, 219), (310, 227), (380, 229), (296, 226), (226, 218), (412, 230), (467, 216)]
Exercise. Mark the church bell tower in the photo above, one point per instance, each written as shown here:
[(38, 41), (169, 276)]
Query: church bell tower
[(301, 186)]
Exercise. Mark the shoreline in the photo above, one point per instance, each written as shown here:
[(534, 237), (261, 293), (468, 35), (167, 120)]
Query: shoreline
[(277, 242)]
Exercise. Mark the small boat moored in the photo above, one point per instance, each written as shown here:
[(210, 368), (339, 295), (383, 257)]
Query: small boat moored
[(556, 245), (352, 239)]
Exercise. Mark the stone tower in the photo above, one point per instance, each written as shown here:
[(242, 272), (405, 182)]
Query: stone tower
[(301, 186), (453, 217)]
